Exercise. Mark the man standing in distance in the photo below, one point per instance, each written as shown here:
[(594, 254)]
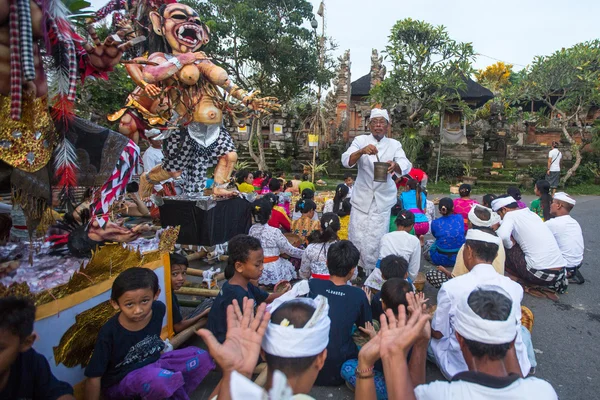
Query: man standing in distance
[(553, 173), (372, 201)]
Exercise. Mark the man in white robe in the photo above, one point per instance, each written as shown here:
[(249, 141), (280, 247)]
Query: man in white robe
[(372, 201)]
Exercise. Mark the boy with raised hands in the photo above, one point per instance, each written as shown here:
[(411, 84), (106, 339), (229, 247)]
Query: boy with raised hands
[(293, 340)]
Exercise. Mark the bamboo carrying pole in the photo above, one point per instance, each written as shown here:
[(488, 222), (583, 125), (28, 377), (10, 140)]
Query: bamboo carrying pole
[(185, 334), (198, 292), (198, 272)]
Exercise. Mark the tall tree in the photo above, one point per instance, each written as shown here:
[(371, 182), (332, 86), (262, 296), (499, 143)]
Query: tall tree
[(567, 82), (264, 45), (428, 69)]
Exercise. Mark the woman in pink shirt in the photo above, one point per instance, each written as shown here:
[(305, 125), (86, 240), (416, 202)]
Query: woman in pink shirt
[(463, 205)]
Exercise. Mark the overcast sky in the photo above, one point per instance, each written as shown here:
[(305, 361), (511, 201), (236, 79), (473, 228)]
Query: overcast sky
[(510, 30)]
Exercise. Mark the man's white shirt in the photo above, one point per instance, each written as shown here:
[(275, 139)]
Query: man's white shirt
[(447, 350), (535, 238), (555, 156), (480, 386), (567, 233), (365, 189), (405, 245)]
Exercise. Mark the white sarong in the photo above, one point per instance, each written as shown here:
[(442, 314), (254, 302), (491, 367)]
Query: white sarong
[(366, 230)]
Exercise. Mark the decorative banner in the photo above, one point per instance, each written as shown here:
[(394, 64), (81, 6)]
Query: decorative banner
[(313, 140), (242, 129), (277, 128)]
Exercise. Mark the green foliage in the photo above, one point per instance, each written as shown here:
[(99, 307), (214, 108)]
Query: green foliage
[(284, 164), (536, 172), (567, 83), (428, 69), (96, 98), (450, 168), (264, 44), (412, 143)]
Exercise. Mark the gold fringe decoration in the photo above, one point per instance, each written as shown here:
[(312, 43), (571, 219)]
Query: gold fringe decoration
[(106, 262), (77, 344), (16, 289), (168, 239)]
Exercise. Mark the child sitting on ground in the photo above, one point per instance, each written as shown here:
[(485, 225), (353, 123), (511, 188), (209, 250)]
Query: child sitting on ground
[(463, 205), (516, 194), (449, 235), (348, 305), (487, 199), (392, 266), (393, 294), (24, 373), (400, 243), (127, 360), (245, 264), (179, 266)]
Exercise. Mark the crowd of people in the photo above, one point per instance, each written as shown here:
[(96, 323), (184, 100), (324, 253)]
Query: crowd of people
[(327, 329)]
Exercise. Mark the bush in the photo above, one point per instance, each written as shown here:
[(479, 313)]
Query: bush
[(284, 164), (450, 168), (536, 172)]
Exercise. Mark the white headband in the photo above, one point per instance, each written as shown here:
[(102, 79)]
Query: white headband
[(502, 202), (242, 388), (472, 327), (481, 236), (494, 218), (290, 342), (562, 196), (380, 113)]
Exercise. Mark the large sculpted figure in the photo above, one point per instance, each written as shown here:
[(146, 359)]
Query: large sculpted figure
[(182, 84), (42, 143)]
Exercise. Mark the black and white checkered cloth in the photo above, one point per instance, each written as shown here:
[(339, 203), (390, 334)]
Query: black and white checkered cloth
[(183, 153), (557, 277), (26, 36)]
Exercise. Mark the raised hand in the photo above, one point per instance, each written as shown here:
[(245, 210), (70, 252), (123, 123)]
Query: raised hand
[(369, 354), (104, 56), (398, 334), (261, 104), (368, 329), (244, 336)]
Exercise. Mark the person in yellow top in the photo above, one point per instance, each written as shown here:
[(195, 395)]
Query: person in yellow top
[(244, 181)]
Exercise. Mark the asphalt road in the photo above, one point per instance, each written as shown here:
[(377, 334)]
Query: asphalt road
[(566, 334)]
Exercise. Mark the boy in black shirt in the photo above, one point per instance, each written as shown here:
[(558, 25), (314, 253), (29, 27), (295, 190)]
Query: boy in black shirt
[(24, 373), (348, 305)]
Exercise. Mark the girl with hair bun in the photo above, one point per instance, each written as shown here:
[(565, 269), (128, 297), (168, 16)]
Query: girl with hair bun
[(273, 244), (449, 234), (314, 259), (463, 205), (307, 194), (306, 224)]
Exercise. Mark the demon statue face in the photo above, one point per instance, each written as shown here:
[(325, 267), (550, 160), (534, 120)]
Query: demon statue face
[(181, 27)]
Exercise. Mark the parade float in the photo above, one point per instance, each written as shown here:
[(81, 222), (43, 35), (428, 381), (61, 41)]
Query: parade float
[(67, 265)]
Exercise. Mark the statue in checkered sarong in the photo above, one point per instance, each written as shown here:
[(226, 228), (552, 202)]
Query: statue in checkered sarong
[(184, 83)]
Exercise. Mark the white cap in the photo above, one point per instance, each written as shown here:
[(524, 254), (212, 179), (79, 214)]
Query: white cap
[(380, 113), (502, 202), (481, 236), (562, 196)]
